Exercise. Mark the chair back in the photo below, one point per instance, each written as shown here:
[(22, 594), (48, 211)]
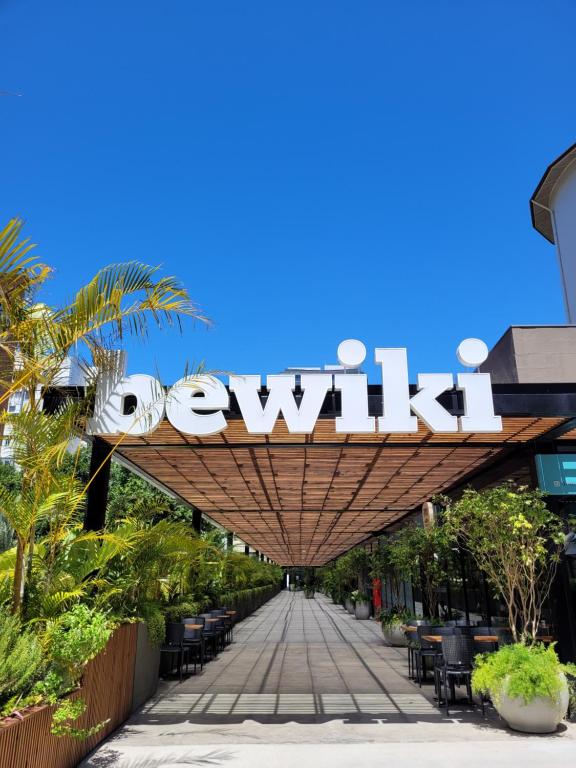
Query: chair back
[(174, 634), (424, 629), (209, 626), (458, 651), (192, 634), (218, 612), (484, 647), (194, 620), (504, 635)]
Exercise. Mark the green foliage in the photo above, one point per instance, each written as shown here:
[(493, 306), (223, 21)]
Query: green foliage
[(421, 553), (182, 610), (520, 671), (346, 574), (75, 638), (358, 597), (394, 616), (155, 623), (21, 661), (65, 714), (516, 541)]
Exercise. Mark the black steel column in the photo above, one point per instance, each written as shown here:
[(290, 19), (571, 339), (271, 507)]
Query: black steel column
[(246, 549), (197, 521), (97, 498), (229, 540)]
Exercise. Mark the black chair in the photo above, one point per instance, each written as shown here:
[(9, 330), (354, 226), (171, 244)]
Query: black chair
[(412, 643), (210, 635), (193, 639), (174, 649), (455, 667), (220, 629), (220, 613), (481, 646), (428, 649)]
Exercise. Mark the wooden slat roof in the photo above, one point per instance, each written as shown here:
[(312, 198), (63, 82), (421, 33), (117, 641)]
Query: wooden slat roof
[(303, 499)]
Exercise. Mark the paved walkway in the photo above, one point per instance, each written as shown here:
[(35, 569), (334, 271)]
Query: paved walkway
[(306, 672)]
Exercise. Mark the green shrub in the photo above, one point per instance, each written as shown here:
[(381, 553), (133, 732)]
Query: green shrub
[(398, 614), (520, 671), (155, 623), (360, 597), (75, 638), (182, 610), (63, 717), (21, 661)]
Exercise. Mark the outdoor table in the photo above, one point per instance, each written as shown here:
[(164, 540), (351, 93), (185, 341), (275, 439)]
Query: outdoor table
[(211, 620), (485, 638), (194, 626), (478, 638), (406, 628), (231, 613)]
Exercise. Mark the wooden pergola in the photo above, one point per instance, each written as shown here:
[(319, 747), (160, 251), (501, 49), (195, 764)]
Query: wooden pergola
[(304, 499)]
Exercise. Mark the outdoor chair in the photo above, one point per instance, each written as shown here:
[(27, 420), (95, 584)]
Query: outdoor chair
[(485, 647), (427, 649), (174, 651), (412, 643), (210, 634), (221, 613), (194, 641), (455, 667)]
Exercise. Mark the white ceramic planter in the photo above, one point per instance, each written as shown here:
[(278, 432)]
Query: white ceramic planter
[(395, 636), (362, 611), (541, 715), (349, 605)]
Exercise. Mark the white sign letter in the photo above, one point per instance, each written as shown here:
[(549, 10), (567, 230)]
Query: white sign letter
[(133, 404), (395, 392), (301, 419), (197, 393)]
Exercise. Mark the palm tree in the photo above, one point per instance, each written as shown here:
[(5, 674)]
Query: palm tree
[(35, 339)]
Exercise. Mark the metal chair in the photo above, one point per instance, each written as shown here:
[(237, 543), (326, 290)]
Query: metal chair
[(427, 649), (210, 635), (456, 667), (221, 613), (412, 643), (174, 648), (194, 640)]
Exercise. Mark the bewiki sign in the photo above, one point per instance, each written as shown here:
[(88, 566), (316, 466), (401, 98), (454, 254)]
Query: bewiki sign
[(196, 404)]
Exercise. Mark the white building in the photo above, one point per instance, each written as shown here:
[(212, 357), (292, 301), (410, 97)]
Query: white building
[(553, 207), (71, 374)]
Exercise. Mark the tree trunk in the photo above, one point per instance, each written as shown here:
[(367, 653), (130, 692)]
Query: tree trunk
[(19, 566)]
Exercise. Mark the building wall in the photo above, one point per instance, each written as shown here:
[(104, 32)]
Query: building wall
[(534, 355), (563, 205)]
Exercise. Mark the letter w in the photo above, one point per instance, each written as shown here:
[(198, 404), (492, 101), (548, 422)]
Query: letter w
[(260, 420)]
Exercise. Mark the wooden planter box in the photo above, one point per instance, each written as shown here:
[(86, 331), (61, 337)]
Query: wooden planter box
[(107, 688)]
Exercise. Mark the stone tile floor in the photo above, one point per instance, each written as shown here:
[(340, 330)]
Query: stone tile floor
[(303, 672)]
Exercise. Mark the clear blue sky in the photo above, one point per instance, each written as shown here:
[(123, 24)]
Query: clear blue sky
[(312, 171)]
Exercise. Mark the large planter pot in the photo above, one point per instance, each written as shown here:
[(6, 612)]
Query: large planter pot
[(349, 605), (541, 715), (394, 635), (362, 611)]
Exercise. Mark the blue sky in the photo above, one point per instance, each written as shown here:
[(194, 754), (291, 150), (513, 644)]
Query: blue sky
[(312, 171)]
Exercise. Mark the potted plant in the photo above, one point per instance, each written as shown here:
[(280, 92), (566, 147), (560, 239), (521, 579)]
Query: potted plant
[(349, 603), (392, 620), (527, 684), (362, 604)]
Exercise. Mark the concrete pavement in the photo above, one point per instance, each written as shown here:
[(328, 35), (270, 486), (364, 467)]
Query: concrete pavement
[(305, 682)]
